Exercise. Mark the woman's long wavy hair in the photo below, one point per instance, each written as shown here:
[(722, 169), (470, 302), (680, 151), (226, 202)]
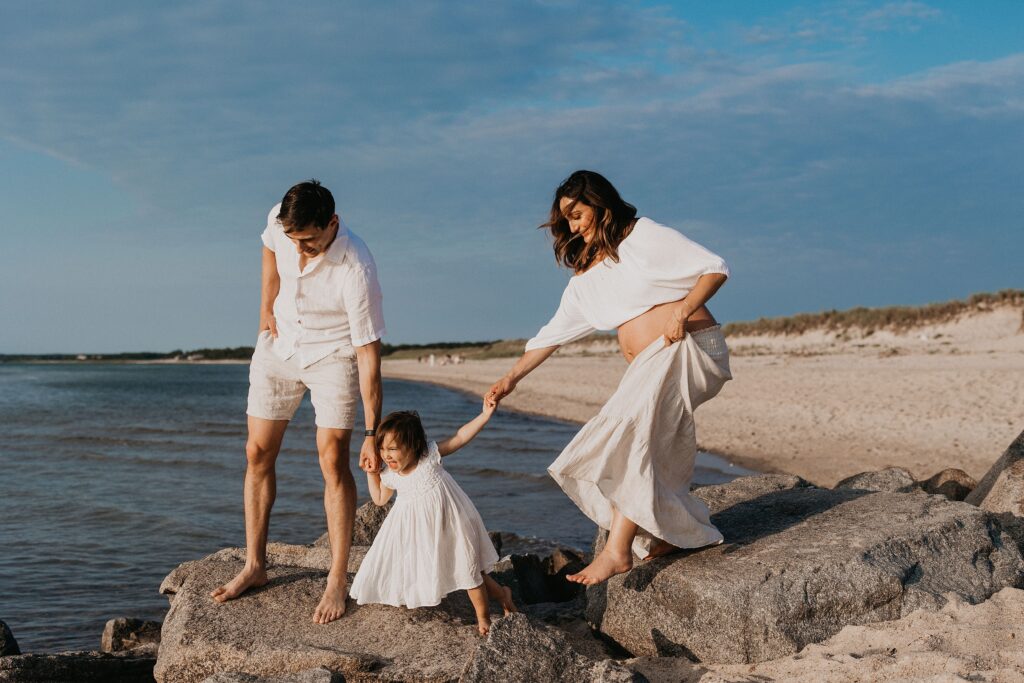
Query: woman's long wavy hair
[(613, 219)]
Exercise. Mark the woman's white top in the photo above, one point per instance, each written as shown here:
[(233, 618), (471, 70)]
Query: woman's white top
[(656, 265), (432, 542)]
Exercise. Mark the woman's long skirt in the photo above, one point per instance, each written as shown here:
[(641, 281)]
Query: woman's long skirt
[(637, 454)]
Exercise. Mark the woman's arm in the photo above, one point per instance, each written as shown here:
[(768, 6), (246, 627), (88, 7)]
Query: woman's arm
[(379, 494), (270, 286), (524, 366), (467, 431), (701, 293)]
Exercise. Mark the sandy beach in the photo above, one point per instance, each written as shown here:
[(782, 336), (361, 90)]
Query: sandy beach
[(821, 405)]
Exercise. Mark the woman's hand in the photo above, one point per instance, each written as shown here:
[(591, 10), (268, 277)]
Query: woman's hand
[(675, 329), (499, 390)]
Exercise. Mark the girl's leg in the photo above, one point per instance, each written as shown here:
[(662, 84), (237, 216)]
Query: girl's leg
[(502, 594), (478, 596), (615, 558)]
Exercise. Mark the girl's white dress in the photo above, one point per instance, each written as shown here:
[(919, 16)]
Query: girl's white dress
[(432, 542)]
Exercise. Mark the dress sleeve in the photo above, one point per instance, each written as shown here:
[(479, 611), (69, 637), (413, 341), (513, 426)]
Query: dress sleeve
[(364, 304), (671, 258), (567, 325), (387, 477), (272, 226), (433, 454)]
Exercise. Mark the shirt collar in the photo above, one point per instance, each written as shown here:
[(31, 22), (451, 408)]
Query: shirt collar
[(336, 252)]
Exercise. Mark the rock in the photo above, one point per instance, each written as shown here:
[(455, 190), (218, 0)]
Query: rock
[(799, 564), (369, 517), (1002, 487), (892, 479), (319, 675), (81, 667), (122, 635), (519, 650), (532, 578), (269, 631), (8, 645), (495, 537), (952, 483), (961, 642)]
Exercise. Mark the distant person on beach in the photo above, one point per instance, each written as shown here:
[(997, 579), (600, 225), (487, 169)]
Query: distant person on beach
[(321, 321), (629, 468), (433, 541)]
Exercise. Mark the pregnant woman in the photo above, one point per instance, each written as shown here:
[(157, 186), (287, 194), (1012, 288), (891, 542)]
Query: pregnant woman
[(629, 468)]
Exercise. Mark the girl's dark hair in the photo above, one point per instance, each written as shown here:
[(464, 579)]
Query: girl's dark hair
[(612, 218), (406, 429), (305, 204)]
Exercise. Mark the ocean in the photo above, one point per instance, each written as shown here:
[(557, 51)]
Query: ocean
[(113, 474)]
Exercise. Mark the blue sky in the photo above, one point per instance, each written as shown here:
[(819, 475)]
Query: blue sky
[(836, 153)]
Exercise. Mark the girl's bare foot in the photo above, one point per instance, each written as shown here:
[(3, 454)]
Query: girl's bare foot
[(249, 577), (332, 604), (605, 566), (483, 624), (661, 548), (506, 600)]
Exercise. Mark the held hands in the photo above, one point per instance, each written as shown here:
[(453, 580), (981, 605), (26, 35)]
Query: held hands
[(499, 390), (369, 458), (490, 405), (675, 329)]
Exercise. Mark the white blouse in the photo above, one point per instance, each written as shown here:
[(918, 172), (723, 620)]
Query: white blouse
[(656, 265)]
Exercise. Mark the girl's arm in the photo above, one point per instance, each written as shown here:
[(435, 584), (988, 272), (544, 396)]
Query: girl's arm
[(379, 493), (467, 431), (524, 366)]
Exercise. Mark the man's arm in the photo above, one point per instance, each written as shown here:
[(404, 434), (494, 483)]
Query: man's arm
[(271, 285), (368, 362)]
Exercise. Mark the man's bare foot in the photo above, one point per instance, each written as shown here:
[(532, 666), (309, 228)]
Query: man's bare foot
[(661, 548), (249, 577), (506, 600), (332, 604), (605, 566), (483, 624)]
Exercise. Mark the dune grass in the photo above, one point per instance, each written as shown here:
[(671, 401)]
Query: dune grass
[(894, 318)]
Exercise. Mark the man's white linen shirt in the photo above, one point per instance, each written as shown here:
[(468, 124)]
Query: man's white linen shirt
[(333, 303)]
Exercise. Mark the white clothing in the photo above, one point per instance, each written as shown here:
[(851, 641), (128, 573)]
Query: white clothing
[(656, 265), (276, 386), (637, 453), (333, 303), (432, 542)]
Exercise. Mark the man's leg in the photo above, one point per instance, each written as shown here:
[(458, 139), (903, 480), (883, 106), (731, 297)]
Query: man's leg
[(340, 505), (261, 449)]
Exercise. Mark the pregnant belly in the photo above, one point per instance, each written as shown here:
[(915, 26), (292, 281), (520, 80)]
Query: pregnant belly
[(637, 334)]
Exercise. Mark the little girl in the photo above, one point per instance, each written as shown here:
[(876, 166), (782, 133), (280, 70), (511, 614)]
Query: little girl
[(433, 541)]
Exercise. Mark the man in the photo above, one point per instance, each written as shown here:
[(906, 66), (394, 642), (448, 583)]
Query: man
[(321, 323)]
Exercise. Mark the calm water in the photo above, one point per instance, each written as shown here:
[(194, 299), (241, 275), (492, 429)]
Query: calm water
[(111, 475)]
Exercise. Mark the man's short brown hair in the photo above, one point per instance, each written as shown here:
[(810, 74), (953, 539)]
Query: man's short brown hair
[(308, 203)]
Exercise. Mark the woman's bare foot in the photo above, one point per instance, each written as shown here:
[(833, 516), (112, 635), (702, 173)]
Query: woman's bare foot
[(332, 604), (605, 566), (483, 624), (249, 577), (506, 600), (661, 548)]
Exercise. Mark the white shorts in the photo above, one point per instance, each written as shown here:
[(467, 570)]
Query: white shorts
[(276, 386)]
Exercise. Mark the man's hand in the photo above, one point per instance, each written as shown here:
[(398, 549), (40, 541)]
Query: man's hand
[(369, 458), (268, 322)]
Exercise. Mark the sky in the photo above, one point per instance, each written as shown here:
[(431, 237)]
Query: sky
[(836, 154)]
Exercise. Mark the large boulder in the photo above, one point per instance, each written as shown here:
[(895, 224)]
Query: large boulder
[(8, 645), (81, 667), (799, 563), (892, 479), (127, 634), (1002, 487), (270, 632), (519, 650), (318, 675), (369, 517)]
